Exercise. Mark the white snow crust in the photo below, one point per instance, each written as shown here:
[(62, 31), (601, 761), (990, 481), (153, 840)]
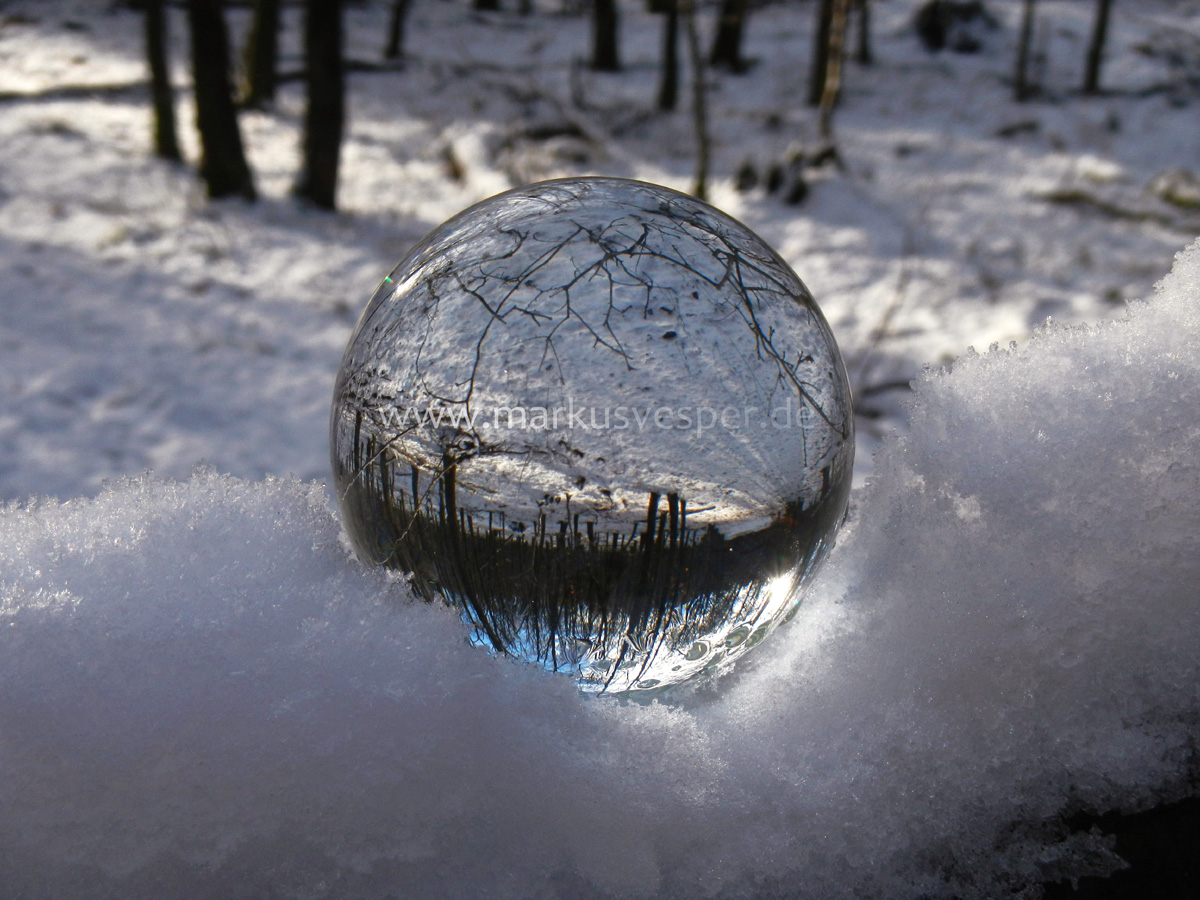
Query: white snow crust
[(205, 696)]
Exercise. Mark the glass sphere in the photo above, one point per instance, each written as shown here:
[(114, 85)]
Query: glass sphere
[(602, 419)]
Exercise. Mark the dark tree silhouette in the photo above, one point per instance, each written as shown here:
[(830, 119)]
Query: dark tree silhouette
[(604, 36), (1095, 53), (820, 57), (1022, 89), (832, 81), (261, 56), (162, 96), (487, 5), (699, 101), (668, 85), (223, 165), (395, 41), (325, 115), (726, 50), (863, 53)]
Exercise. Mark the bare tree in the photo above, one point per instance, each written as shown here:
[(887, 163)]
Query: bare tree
[(863, 53), (396, 21), (1022, 89), (261, 56), (668, 85), (820, 57), (699, 100), (223, 165), (726, 50), (604, 36), (325, 115), (162, 96), (1095, 53), (833, 73)]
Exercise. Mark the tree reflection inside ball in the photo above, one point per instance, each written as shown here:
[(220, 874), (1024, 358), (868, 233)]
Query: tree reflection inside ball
[(604, 421)]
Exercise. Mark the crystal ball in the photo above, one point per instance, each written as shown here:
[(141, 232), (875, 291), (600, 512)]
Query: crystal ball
[(604, 421)]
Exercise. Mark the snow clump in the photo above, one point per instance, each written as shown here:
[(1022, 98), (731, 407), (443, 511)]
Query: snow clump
[(206, 696)]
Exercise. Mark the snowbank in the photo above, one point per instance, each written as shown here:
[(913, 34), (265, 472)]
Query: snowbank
[(204, 696)]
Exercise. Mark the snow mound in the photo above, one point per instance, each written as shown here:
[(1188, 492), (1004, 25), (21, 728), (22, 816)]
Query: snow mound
[(204, 696)]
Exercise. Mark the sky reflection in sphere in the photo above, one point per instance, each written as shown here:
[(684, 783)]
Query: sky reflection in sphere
[(602, 419)]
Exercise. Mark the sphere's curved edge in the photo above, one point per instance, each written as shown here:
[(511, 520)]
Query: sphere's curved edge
[(631, 558)]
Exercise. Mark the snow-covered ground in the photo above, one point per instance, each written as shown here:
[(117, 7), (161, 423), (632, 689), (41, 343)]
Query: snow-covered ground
[(144, 328), (204, 696)]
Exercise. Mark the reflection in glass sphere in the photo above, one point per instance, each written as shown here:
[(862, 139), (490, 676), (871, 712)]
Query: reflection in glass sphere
[(603, 420)]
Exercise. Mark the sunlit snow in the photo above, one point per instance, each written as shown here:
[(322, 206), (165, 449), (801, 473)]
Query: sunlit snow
[(205, 694)]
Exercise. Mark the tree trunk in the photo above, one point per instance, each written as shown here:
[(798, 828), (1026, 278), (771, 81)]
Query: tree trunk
[(487, 5), (668, 86), (833, 73), (162, 96), (1022, 89), (727, 43), (820, 60), (863, 53), (223, 164), (395, 41), (1095, 53), (325, 115), (262, 55), (604, 36), (699, 100)]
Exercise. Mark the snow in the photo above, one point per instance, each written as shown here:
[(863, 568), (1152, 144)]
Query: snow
[(204, 689), (205, 695), (940, 235)]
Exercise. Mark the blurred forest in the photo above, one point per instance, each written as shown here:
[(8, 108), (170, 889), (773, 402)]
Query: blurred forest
[(940, 174), (942, 25)]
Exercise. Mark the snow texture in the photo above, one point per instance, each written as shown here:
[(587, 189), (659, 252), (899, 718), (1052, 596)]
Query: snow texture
[(205, 696)]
